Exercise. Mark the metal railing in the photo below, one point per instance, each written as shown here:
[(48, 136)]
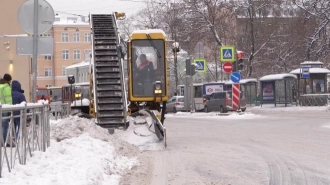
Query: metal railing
[(60, 110), (314, 99), (32, 134)]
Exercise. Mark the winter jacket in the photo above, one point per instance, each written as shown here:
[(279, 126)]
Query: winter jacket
[(145, 71), (18, 97), (5, 93)]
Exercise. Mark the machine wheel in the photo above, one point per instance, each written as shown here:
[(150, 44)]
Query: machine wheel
[(205, 109), (222, 110), (174, 110), (111, 131), (243, 110)]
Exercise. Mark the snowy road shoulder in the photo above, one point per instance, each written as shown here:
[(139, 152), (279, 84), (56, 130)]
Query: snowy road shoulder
[(80, 153), (215, 115)]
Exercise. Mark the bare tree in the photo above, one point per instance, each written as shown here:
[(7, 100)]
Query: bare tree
[(317, 13)]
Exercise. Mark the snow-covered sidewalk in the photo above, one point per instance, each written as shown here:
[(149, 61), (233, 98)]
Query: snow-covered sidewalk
[(80, 153)]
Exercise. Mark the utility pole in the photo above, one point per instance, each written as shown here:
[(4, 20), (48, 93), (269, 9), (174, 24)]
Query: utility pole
[(216, 65), (176, 49), (35, 50), (176, 70)]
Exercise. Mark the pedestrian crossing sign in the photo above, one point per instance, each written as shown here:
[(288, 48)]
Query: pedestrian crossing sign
[(200, 65), (227, 54)]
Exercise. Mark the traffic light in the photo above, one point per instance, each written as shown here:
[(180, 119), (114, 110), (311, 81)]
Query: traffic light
[(190, 68), (193, 69), (240, 64)]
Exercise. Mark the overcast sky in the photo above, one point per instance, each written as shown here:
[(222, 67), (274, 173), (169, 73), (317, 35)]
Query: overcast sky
[(84, 7)]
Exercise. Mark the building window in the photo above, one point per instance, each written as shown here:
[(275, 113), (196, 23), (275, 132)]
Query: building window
[(48, 71), (48, 57), (76, 37), (65, 54), (76, 54), (49, 85), (63, 71), (87, 54), (65, 37), (87, 37)]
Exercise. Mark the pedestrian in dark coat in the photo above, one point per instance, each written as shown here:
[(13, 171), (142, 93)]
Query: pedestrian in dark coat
[(18, 97)]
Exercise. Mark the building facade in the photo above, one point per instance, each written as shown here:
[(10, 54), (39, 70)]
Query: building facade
[(72, 45), (17, 66)]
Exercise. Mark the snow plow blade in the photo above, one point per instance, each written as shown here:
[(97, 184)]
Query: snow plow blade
[(160, 130)]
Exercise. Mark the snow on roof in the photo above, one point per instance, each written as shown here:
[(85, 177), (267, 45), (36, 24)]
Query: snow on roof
[(274, 77), (17, 35), (214, 82), (77, 84), (70, 22), (80, 64), (149, 31), (243, 81), (311, 62), (312, 70)]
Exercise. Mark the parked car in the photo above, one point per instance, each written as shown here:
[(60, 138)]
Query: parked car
[(222, 101), (176, 103)]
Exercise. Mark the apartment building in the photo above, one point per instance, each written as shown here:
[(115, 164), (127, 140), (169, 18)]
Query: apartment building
[(17, 66), (72, 45)]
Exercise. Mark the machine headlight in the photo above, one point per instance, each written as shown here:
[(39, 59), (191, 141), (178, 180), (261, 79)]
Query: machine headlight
[(158, 91), (77, 95), (157, 86)]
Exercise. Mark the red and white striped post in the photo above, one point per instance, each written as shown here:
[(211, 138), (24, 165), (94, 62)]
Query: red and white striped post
[(235, 96)]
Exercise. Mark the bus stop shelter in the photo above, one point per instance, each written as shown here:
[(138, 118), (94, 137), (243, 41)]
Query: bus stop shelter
[(249, 89), (313, 88), (278, 89)]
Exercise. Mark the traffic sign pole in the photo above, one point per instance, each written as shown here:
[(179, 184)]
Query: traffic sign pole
[(35, 17), (35, 50), (235, 96)]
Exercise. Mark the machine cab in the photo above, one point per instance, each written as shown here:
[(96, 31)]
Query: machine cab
[(147, 66)]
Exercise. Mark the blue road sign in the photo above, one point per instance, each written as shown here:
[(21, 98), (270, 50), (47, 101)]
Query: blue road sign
[(235, 77), (227, 54), (201, 65), (305, 72)]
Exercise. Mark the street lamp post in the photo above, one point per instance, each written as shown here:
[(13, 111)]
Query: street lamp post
[(176, 49)]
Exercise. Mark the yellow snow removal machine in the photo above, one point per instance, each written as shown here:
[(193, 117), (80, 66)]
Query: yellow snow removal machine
[(147, 88)]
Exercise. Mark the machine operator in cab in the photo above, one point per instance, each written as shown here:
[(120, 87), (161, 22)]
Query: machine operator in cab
[(144, 75)]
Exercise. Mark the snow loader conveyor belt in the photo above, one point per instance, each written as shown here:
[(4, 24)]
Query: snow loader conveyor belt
[(108, 86)]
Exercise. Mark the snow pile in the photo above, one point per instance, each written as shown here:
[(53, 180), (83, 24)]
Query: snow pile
[(229, 115), (138, 134), (74, 126), (81, 157)]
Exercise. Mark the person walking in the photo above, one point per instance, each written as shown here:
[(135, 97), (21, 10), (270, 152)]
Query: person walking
[(18, 97), (5, 98)]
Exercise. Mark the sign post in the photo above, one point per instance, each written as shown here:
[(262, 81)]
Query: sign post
[(235, 77), (35, 17)]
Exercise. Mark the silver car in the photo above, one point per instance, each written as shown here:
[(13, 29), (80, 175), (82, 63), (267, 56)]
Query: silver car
[(221, 101), (176, 103)]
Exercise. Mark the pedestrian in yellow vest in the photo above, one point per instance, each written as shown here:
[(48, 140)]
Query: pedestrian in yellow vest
[(5, 98)]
